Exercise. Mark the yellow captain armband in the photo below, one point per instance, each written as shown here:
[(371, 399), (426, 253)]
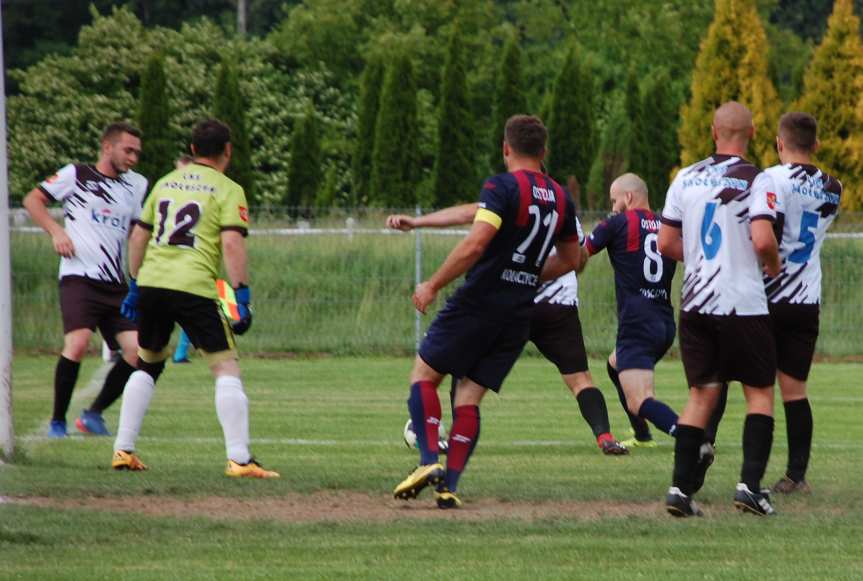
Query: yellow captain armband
[(483, 215)]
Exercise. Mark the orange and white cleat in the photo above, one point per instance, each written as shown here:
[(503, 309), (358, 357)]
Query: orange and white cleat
[(251, 469), (123, 460)]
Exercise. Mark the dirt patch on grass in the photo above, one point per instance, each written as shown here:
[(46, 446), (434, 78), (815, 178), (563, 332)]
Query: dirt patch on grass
[(345, 507)]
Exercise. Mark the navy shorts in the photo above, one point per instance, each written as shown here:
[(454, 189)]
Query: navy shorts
[(641, 343), (480, 345)]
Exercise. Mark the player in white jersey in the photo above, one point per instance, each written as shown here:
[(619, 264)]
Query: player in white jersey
[(555, 328), (100, 203), (807, 200), (722, 231)]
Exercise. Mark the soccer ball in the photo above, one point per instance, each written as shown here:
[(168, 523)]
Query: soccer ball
[(410, 436)]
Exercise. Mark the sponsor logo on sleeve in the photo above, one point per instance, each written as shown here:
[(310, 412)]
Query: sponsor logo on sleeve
[(244, 213), (52, 179), (771, 200)]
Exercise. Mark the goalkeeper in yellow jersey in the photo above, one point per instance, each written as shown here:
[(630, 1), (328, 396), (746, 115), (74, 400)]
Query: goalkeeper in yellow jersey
[(193, 218)]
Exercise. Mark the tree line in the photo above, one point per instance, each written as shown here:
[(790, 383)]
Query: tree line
[(377, 102)]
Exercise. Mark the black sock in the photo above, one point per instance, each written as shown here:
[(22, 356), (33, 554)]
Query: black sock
[(713, 424), (757, 441), (112, 389), (687, 445), (65, 378), (639, 425), (592, 406), (798, 424)]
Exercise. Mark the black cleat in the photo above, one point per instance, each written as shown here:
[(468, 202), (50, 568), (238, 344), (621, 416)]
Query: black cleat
[(613, 448), (679, 505), (757, 503), (707, 454), (788, 486)]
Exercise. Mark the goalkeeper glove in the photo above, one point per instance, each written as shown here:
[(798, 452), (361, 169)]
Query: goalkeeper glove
[(129, 307), (243, 295)]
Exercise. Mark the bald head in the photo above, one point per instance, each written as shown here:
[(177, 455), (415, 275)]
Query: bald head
[(628, 192), (732, 122)]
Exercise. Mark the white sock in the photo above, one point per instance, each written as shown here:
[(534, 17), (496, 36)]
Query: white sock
[(136, 399), (232, 407)]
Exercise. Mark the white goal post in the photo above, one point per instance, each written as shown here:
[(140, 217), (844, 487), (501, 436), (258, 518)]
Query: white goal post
[(7, 431)]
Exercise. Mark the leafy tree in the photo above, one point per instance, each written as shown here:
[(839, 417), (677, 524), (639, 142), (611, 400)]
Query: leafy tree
[(454, 169), (395, 160), (830, 94), (732, 65), (304, 172), (230, 108), (638, 153), (610, 161), (657, 131), (572, 141), (158, 151), (367, 113), (509, 98)]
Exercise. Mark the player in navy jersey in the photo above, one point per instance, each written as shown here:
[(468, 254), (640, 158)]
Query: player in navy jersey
[(807, 200), (484, 326), (722, 230), (100, 202), (645, 318)]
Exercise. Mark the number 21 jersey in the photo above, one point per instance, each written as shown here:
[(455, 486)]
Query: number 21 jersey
[(187, 211), (807, 200), (713, 202)]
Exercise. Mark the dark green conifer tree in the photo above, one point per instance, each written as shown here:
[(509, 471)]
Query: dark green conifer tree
[(509, 98), (367, 114), (158, 149), (230, 108), (304, 171)]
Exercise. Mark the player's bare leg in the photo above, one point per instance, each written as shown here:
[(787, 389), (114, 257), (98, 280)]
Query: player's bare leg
[(425, 411), (66, 376), (591, 403), (90, 421), (232, 407), (757, 442), (798, 422)]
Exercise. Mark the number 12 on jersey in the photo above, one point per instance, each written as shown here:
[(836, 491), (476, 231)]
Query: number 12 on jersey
[(185, 219)]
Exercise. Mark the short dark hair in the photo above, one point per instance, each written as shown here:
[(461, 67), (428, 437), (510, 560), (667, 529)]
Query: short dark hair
[(114, 130), (210, 137), (526, 135), (799, 131)]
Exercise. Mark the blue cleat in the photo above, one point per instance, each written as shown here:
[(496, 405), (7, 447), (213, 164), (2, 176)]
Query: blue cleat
[(57, 429), (90, 422)]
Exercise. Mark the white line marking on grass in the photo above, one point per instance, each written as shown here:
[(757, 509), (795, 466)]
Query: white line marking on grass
[(91, 389)]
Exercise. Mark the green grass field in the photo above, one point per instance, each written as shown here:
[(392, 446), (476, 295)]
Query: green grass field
[(541, 501)]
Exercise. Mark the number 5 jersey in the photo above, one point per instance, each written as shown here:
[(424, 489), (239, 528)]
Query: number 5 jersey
[(806, 200), (187, 211), (714, 202)]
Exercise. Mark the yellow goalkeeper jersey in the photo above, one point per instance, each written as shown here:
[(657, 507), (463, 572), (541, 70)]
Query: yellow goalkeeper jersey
[(187, 211)]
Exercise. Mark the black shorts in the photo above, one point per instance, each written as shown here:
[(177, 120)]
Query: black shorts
[(480, 345), (202, 319), (88, 304), (556, 332), (795, 329), (641, 343), (727, 348)]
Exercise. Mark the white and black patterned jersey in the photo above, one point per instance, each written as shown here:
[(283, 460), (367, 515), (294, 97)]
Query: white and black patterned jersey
[(713, 203), (564, 289), (99, 211), (807, 201)]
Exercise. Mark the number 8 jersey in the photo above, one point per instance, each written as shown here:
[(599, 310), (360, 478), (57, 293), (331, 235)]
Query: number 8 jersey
[(187, 211), (714, 202), (807, 200)]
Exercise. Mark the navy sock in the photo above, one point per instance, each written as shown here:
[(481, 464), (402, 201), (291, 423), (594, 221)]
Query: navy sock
[(462, 441), (757, 441), (65, 377), (639, 426), (424, 408), (592, 406), (659, 414), (798, 425), (687, 448)]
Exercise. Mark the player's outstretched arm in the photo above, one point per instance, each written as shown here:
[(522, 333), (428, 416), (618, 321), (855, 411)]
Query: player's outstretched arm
[(671, 242), (570, 256), (462, 257), (452, 216), (36, 204), (138, 240), (764, 242)]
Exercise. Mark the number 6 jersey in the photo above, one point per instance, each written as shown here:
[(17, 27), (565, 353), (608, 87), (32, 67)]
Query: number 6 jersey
[(714, 202), (187, 211), (807, 200)]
